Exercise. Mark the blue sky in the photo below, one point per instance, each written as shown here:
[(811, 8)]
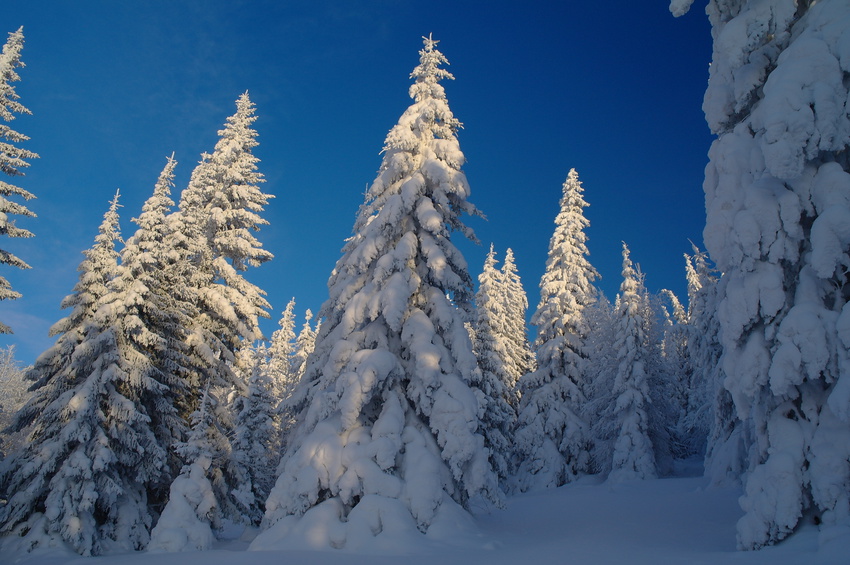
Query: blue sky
[(612, 89)]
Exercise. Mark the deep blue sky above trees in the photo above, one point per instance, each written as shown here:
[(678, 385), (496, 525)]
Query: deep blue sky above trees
[(613, 89)]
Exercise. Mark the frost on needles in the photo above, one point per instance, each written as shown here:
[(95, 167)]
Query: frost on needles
[(389, 442)]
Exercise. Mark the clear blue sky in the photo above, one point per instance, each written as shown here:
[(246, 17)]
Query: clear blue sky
[(612, 89)]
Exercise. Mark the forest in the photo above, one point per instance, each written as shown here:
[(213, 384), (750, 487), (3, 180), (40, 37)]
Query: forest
[(414, 396)]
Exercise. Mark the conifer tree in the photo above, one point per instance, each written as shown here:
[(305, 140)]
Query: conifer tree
[(152, 305), (82, 476), (281, 352), (520, 358), (12, 158), (193, 513), (632, 450), (676, 378), (13, 397), (552, 437), (256, 445), (218, 212), (389, 433), (776, 189), (711, 412), (491, 346), (304, 345)]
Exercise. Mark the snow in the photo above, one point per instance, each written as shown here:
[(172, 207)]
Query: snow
[(651, 522)]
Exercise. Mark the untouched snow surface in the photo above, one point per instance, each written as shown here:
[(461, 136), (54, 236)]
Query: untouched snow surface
[(661, 521)]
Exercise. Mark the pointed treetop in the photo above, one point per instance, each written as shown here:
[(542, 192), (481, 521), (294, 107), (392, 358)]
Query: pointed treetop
[(430, 42), (428, 73)]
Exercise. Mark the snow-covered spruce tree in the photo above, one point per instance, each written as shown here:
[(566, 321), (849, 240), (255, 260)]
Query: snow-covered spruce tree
[(256, 445), (51, 369), (520, 359), (667, 385), (193, 511), (496, 386), (627, 411), (675, 375), (150, 305), (304, 345), (389, 442), (81, 477), (281, 352), (551, 436), (711, 412), (777, 201), (217, 213), (12, 158)]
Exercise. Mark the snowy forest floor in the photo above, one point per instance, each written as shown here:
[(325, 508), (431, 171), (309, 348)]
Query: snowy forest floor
[(672, 521)]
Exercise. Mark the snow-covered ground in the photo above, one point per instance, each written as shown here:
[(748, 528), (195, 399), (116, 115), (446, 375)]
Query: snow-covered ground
[(672, 521)]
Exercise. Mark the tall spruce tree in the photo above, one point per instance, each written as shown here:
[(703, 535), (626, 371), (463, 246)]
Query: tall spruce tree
[(217, 214), (256, 445), (388, 439), (151, 305), (496, 386), (633, 455), (520, 358), (551, 436), (82, 476), (777, 200), (12, 158)]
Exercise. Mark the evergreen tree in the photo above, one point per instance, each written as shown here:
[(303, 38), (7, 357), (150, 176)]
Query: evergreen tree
[(13, 397), (685, 440), (12, 158), (82, 476), (152, 305), (552, 437), (192, 514), (255, 448), (281, 352), (305, 343), (711, 412), (602, 364), (389, 434), (217, 213), (97, 270), (777, 188), (492, 349), (632, 450), (520, 358)]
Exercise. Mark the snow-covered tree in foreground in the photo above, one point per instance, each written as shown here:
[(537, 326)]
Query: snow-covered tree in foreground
[(551, 437), (388, 443), (778, 227), (81, 477), (12, 158)]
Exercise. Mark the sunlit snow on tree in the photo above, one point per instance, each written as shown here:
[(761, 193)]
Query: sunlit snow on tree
[(12, 158), (388, 442)]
